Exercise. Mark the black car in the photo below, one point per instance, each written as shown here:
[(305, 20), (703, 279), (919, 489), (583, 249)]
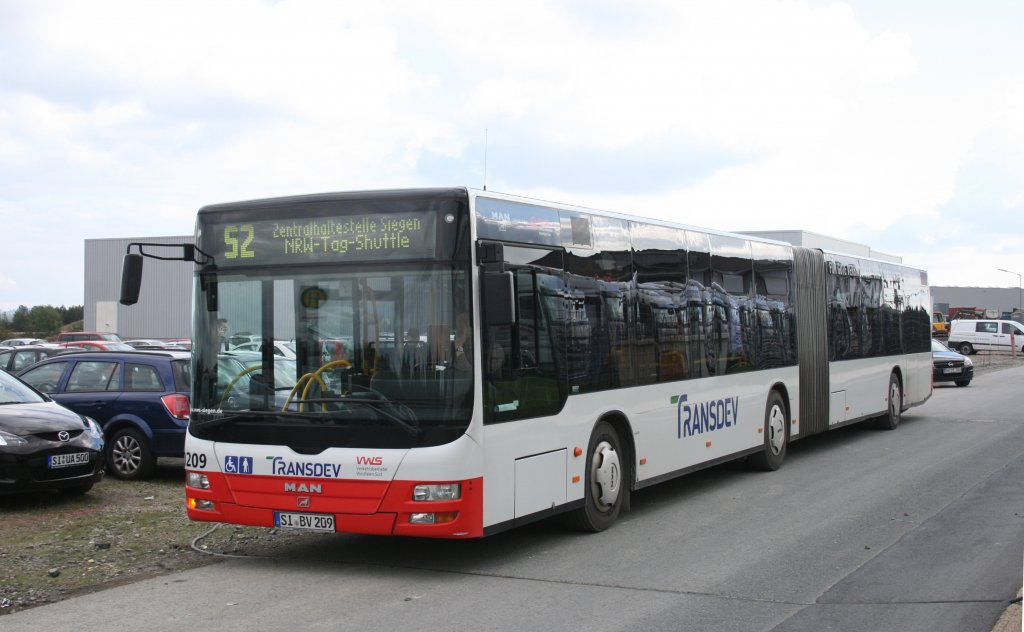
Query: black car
[(44, 445), (139, 398), (16, 359), (950, 366)]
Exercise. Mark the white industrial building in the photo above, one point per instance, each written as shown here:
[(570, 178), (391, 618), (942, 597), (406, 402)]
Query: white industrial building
[(164, 309)]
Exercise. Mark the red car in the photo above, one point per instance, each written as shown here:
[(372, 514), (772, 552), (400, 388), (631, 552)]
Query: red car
[(99, 345), (67, 337)]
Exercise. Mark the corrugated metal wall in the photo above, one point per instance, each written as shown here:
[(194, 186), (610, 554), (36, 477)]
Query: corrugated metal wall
[(164, 309), (812, 349), (997, 298)]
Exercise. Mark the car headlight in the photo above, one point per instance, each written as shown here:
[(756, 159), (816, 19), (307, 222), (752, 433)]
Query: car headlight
[(92, 426), (968, 362), (9, 439)]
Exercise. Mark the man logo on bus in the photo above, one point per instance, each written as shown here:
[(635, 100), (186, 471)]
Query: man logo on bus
[(694, 418)]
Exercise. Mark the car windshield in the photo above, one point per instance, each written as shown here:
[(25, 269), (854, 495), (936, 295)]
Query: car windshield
[(14, 391), (938, 346)]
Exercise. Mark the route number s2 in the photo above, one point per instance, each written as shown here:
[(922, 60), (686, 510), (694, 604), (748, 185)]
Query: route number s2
[(196, 460), (238, 242)]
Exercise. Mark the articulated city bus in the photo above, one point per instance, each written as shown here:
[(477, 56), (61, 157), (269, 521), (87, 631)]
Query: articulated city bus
[(467, 361)]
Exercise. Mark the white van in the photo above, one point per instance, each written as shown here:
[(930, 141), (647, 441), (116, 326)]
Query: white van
[(968, 336)]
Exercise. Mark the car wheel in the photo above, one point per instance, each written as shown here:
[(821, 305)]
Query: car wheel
[(962, 382), (606, 481), (965, 348), (891, 418), (129, 456), (776, 436)]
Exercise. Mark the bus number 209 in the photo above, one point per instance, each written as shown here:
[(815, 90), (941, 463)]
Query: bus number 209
[(195, 459)]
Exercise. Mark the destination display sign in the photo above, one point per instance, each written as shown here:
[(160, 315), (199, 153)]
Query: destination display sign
[(357, 237)]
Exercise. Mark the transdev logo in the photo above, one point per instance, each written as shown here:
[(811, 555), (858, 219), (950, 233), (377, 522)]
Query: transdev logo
[(283, 467), (238, 465), (694, 418)]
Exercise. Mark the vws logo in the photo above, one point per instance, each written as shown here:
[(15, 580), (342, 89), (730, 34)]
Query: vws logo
[(369, 460), (694, 418)]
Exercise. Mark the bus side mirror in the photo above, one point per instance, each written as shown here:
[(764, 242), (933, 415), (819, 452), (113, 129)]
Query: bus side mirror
[(131, 279), (208, 285), (498, 298)]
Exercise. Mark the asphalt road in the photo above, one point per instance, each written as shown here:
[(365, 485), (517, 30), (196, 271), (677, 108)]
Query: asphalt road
[(917, 529)]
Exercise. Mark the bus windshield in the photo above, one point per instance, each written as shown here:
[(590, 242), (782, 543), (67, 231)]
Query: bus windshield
[(375, 362)]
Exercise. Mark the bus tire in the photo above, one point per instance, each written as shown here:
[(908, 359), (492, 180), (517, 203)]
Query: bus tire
[(890, 419), (776, 436), (605, 481)]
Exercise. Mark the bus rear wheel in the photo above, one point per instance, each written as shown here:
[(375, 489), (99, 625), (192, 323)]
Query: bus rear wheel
[(890, 419), (776, 435), (605, 484)]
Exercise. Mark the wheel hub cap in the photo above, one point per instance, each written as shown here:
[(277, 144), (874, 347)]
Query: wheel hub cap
[(606, 477), (776, 430)]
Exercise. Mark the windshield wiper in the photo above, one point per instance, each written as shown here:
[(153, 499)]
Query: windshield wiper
[(318, 416), (207, 424)]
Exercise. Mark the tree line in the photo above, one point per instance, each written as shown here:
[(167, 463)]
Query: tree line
[(41, 321)]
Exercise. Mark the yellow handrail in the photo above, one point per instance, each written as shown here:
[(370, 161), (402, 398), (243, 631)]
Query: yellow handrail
[(231, 384), (308, 380)]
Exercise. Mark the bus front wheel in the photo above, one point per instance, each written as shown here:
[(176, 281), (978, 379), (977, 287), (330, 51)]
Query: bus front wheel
[(776, 435), (605, 484)]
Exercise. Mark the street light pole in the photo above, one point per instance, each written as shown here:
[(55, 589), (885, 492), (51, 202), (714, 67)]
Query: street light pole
[(1020, 306)]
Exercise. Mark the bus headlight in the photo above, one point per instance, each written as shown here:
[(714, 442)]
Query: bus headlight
[(197, 503), (433, 518), (443, 491), (197, 480)]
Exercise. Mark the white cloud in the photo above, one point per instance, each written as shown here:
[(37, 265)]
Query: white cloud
[(137, 112)]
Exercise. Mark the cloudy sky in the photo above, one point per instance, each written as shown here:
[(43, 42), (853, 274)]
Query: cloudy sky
[(895, 124)]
